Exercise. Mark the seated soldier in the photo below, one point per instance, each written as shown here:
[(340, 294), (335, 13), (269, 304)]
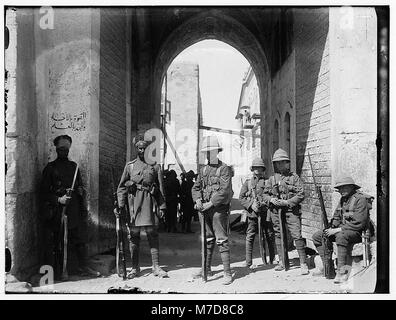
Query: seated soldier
[(349, 220)]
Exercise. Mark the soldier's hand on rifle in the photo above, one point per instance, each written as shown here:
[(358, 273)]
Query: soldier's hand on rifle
[(331, 231), (162, 213), (282, 203), (207, 206), (198, 205), (64, 200), (255, 206), (117, 212), (274, 201)]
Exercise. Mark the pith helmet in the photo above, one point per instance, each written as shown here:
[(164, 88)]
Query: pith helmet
[(257, 162), (345, 180), (280, 155), (210, 143)]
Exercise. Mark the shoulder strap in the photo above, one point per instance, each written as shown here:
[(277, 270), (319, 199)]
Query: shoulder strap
[(249, 184)]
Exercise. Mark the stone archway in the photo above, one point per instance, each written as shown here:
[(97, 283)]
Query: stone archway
[(217, 26)]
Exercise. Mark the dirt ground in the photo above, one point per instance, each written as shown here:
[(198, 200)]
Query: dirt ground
[(180, 256)]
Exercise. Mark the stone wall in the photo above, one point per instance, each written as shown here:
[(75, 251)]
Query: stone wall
[(183, 95), (55, 92), (353, 83), (312, 104), (112, 101), (22, 227)]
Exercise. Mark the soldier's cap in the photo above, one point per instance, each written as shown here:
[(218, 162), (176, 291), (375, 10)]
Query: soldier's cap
[(280, 155), (257, 162), (211, 143), (190, 174), (345, 180), (140, 142), (63, 141)]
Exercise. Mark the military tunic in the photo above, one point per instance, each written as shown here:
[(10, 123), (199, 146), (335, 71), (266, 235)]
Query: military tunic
[(246, 198), (57, 177), (214, 184), (291, 190), (143, 185), (352, 226)]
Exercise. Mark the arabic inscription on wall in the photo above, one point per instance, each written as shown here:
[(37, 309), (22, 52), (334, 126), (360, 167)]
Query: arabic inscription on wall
[(65, 121)]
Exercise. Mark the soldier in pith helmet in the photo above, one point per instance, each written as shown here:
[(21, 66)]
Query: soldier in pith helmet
[(212, 194), (141, 188), (350, 218), (291, 194), (251, 198)]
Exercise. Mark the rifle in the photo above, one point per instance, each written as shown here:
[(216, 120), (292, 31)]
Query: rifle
[(285, 255), (263, 252), (65, 226), (326, 224), (119, 232), (203, 239)]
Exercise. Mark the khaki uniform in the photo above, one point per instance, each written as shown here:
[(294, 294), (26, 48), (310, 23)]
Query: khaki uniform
[(214, 184), (142, 185), (246, 199)]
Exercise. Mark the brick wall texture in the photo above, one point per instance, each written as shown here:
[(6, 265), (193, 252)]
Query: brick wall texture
[(313, 111), (112, 109)]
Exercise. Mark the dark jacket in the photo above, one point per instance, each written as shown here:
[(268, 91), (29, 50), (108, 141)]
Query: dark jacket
[(57, 177)]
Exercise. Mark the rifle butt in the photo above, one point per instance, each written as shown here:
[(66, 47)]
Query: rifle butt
[(285, 254)]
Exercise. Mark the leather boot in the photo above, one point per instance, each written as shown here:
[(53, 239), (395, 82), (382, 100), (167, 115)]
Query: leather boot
[(225, 258)]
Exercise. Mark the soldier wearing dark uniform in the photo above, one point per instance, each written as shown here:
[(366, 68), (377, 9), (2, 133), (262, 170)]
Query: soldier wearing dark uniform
[(254, 187), (186, 201), (291, 194), (57, 178), (212, 194), (172, 191), (142, 185), (350, 218)]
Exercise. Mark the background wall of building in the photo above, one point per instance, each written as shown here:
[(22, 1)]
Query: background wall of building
[(313, 113), (22, 229), (56, 93), (183, 99), (353, 83), (112, 100)]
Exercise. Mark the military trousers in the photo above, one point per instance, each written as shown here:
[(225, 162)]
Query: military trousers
[(217, 227), (343, 238), (134, 243), (252, 229), (292, 223)]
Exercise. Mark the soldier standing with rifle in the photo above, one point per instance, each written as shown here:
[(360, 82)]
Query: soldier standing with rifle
[(283, 194), (142, 188), (57, 199), (350, 218), (251, 199), (212, 194)]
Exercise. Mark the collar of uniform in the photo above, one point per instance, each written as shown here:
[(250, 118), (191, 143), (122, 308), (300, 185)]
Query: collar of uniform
[(216, 165)]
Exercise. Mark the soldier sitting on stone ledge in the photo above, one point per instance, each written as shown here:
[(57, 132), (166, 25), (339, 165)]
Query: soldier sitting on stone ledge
[(349, 220)]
